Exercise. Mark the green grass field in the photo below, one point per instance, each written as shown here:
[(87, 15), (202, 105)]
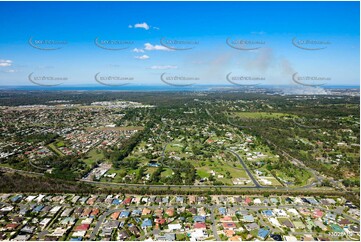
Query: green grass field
[(60, 144), (55, 149), (93, 156), (259, 115)]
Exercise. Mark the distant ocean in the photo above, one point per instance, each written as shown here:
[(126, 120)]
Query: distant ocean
[(145, 88), (150, 88)]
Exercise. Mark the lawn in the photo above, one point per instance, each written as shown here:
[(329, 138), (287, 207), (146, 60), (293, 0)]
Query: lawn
[(260, 115), (181, 237), (60, 144), (203, 173), (93, 156), (118, 178), (167, 172), (55, 149)]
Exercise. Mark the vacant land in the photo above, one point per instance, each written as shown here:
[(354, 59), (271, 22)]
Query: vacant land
[(261, 115)]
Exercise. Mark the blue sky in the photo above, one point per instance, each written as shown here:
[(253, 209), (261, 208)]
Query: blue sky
[(272, 26)]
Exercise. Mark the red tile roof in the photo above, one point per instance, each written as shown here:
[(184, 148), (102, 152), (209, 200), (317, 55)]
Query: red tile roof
[(12, 226), (82, 227), (200, 226), (229, 225), (127, 200)]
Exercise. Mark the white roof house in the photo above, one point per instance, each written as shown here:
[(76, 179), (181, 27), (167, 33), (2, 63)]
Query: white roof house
[(173, 227)]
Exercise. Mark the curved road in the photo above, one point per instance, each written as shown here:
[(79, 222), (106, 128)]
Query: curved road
[(255, 182)]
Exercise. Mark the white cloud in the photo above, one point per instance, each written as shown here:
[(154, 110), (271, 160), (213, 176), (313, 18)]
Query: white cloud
[(11, 71), (142, 26), (163, 67), (148, 46), (136, 50), (4, 63), (142, 57)]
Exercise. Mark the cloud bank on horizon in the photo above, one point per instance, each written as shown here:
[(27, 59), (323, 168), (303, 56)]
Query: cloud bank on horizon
[(271, 43)]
